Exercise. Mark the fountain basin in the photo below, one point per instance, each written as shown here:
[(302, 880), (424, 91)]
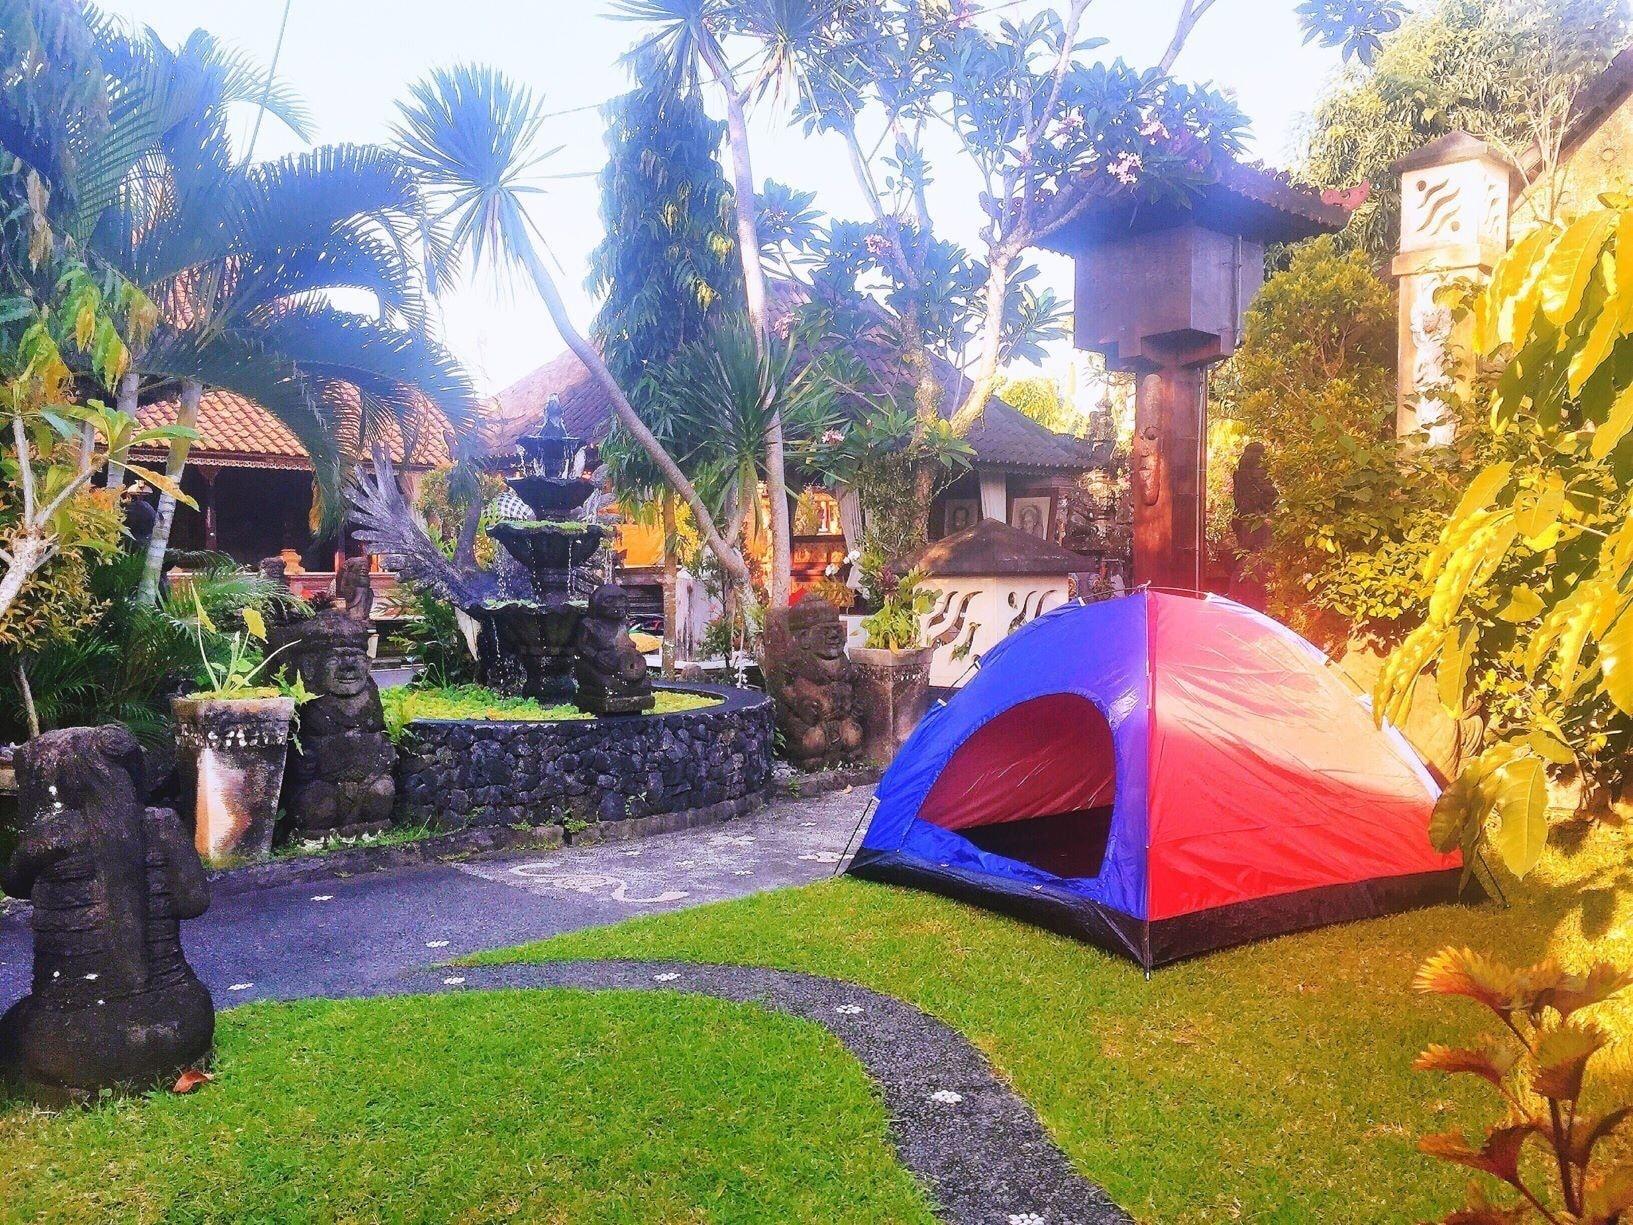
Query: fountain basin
[(548, 546), (672, 770)]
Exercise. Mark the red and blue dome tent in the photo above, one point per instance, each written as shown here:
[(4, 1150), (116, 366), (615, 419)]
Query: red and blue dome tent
[(1163, 775)]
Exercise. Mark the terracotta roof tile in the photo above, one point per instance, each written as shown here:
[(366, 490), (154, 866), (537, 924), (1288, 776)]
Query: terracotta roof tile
[(235, 432)]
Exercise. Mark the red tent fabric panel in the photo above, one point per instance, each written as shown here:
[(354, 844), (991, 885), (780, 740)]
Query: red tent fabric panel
[(1266, 772), (1047, 755)]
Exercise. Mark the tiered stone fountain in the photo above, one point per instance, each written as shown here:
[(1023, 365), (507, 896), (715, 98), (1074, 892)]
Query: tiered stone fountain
[(534, 646)]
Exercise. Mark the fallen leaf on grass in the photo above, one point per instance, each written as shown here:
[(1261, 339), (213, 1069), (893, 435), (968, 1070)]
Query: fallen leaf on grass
[(190, 1080)]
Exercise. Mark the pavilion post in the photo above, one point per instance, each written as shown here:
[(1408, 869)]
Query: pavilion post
[(208, 475), (1161, 290)]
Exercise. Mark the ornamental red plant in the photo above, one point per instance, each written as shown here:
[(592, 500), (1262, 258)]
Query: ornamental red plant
[(1539, 1068)]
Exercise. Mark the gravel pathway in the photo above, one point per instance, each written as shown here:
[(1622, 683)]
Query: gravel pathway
[(973, 1142)]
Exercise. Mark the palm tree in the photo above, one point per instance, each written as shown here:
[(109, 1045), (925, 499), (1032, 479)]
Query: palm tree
[(471, 134), (133, 148)]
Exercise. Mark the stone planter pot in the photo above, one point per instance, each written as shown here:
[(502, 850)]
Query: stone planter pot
[(232, 756), (894, 687)]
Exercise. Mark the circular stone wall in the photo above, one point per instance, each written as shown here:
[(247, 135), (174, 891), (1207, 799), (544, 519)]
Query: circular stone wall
[(705, 763)]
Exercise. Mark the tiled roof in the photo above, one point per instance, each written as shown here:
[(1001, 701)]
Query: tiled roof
[(1258, 202), (235, 432), (519, 408), (1003, 435), (993, 547)]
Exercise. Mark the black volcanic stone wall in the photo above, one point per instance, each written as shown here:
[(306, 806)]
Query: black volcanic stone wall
[(452, 774)]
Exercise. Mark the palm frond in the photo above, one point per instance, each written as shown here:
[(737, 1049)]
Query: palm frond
[(471, 133), (236, 363)]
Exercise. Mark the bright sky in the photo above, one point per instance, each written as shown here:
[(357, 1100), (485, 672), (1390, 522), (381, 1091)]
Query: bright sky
[(352, 59)]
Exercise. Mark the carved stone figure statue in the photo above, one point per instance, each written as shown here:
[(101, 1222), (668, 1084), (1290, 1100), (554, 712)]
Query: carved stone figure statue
[(1254, 496), (1148, 465), (611, 672), (114, 1001), (354, 590), (339, 778), (812, 683), (1433, 373)]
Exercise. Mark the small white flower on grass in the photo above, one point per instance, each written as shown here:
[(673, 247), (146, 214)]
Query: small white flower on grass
[(452, 982), (667, 977), (240, 987), (324, 897), (946, 1097), (847, 1010), (91, 978), (436, 944), (1025, 1218)]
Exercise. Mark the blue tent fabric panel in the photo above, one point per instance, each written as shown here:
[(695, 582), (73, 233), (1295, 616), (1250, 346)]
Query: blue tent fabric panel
[(1099, 651)]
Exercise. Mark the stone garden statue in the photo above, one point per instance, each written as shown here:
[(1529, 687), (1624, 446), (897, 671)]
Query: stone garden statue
[(339, 779), (1254, 498), (114, 1001), (354, 589), (813, 684), (611, 671)]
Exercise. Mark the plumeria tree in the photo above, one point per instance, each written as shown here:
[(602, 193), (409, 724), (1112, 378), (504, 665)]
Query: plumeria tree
[(1045, 131)]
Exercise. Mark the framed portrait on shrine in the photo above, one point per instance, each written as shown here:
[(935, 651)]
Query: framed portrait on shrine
[(1034, 515), (958, 514)]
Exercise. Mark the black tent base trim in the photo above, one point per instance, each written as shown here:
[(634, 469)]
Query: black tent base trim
[(1169, 940)]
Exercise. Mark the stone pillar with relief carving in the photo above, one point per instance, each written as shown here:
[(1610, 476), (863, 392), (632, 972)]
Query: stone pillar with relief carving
[(1456, 194)]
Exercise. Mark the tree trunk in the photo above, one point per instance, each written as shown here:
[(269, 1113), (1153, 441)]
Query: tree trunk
[(192, 392), (730, 561), (30, 712), (129, 385), (670, 609), (779, 580), (28, 554), (992, 337)]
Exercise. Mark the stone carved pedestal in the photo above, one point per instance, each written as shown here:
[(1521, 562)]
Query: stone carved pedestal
[(893, 688), (232, 757), (1455, 198), (114, 1002)]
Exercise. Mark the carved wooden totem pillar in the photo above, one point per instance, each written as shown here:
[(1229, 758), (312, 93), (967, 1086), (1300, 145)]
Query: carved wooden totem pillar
[(1161, 288)]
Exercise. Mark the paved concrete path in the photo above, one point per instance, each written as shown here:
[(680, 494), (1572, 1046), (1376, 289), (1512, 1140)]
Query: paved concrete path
[(341, 937)]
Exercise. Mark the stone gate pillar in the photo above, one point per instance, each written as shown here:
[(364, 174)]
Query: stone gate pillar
[(1456, 193)]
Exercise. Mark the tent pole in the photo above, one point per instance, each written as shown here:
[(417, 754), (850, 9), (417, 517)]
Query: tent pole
[(866, 813)]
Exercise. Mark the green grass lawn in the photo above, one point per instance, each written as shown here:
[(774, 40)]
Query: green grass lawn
[(1266, 1083), (533, 1106)]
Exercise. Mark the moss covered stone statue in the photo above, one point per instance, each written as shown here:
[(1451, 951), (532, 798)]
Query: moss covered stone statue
[(339, 779), (114, 1002), (813, 684)]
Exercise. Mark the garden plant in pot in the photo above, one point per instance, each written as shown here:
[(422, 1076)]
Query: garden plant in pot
[(893, 669), (232, 735)]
